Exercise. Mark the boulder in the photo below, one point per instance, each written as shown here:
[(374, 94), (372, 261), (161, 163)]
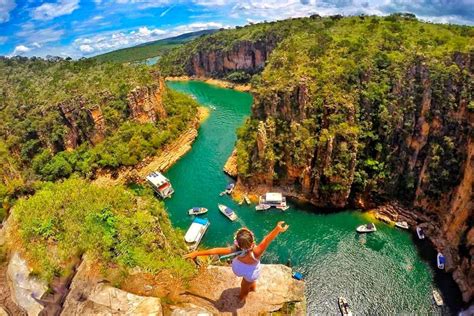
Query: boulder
[(189, 310), (24, 288), (217, 288)]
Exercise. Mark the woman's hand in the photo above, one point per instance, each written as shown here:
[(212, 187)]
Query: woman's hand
[(281, 227), (191, 255)]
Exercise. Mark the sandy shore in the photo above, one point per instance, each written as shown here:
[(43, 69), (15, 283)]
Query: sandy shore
[(217, 82)]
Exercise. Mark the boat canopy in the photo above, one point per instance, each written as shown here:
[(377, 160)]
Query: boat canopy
[(229, 186), (228, 211), (274, 197), (441, 258), (196, 208), (195, 229), (157, 179)]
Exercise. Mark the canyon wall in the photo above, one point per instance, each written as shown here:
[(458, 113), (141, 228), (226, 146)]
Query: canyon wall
[(418, 149)]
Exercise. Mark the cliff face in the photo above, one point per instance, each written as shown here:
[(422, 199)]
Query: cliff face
[(246, 56), (417, 149), (85, 122)]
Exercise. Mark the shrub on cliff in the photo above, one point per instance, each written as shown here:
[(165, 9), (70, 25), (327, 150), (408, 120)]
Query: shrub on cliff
[(116, 226)]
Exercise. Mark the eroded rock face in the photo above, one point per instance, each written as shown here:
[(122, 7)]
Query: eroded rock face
[(275, 288), (246, 56), (25, 289), (146, 104)]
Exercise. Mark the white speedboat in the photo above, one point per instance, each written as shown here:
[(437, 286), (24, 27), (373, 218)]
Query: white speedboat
[(195, 232), (344, 307), (402, 225), (228, 212), (440, 260), (262, 207), (438, 298), (367, 228), (420, 233), (197, 211)]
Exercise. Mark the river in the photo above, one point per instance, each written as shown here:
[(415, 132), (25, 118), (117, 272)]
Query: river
[(381, 273)]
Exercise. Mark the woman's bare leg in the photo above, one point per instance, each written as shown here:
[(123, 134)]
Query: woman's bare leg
[(245, 288), (253, 286)]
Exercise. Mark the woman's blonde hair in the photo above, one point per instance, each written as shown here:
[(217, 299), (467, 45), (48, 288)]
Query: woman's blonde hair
[(244, 239)]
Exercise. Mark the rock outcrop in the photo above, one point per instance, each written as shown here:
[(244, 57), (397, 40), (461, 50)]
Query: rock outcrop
[(217, 290), (26, 290), (146, 103), (230, 166)]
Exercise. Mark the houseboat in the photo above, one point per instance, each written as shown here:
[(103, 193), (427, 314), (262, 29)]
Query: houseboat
[(160, 184), (274, 199), (195, 232)]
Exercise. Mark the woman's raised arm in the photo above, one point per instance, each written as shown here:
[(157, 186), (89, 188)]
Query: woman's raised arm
[(279, 228), (207, 252)]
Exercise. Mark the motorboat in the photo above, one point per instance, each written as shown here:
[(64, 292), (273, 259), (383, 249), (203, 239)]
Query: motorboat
[(160, 184), (438, 298), (228, 189), (420, 233), (344, 307), (262, 207), (197, 211), (228, 212), (402, 225), (195, 232), (366, 228), (440, 260), (274, 199)]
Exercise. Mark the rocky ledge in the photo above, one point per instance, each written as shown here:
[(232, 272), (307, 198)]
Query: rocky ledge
[(216, 289)]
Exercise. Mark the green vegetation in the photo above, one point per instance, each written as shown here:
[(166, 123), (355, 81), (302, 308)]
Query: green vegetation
[(361, 77), (148, 50), (114, 225)]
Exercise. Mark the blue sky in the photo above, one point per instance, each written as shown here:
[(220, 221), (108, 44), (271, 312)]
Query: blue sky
[(80, 28)]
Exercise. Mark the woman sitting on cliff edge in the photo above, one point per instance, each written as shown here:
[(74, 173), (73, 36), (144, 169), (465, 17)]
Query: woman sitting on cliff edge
[(247, 262)]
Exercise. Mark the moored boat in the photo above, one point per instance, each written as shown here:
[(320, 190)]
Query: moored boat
[(197, 211), (440, 260), (438, 298), (366, 228), (160, 184), (228, 212), (246, 198), (228, 189), (195, 232), (262, 207), (274, 199), (344, 306), (420, 233), (403, 225)]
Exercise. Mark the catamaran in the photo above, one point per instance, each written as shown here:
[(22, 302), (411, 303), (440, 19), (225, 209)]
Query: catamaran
[(272, 199), (160, 184), (197, 211), (228, 212), (195, 232), (367, 228)]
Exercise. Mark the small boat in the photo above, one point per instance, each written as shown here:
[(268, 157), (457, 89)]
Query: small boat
[(195, 232), (228, 212), (241, 202), (160, 184), (403, 225), (438, 298), (344, 307), (420, 233), (246, 198), (230, 187), (274, 199), (367, 228), (297, 276), (212, 107), (440, 260), (197, 211), (283, 208), (262, 207)]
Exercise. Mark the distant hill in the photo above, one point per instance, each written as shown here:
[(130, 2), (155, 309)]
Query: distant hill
[(150, 49)]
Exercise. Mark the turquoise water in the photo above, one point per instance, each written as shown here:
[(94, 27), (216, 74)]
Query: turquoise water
[(381, 273)]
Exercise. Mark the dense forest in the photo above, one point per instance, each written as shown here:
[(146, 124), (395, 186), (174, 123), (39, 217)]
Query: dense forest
[(63, 117)]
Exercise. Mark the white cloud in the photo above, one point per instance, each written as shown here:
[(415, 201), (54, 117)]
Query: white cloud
[(86, 48), (20, 50), (104, 42), (211, 3), (51, 10), (6, 6), (41, 36)]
